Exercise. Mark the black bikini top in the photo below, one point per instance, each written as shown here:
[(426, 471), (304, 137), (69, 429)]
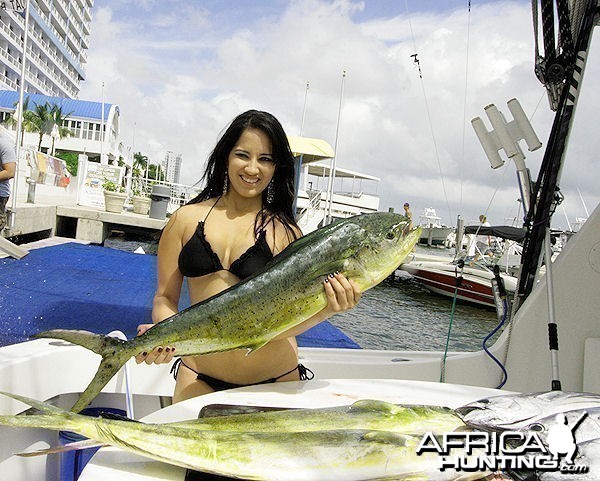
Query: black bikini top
[(197, 257)]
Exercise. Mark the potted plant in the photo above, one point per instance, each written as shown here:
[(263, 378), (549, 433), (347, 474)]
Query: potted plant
[(114, 196), (140, 200)]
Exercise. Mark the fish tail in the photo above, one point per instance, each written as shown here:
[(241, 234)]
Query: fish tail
[(45, 415), (115, 353), (89, 340), (110, 365)]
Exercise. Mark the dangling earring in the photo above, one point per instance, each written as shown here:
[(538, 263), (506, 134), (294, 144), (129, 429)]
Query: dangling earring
[(225, 182), (270, 193)]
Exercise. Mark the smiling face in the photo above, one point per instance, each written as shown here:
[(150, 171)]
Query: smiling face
[(250, 163)]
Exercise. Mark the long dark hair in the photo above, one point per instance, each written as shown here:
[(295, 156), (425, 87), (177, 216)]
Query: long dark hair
[(281, 207)]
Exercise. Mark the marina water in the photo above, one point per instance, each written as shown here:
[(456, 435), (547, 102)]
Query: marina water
[(398, 314)]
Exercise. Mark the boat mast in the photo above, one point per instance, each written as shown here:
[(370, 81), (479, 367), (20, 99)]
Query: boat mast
[(546, 195)]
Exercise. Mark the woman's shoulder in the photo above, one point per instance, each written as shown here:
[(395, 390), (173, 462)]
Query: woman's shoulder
[(193, 212)]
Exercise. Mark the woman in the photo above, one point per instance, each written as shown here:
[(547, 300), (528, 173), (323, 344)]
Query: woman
[(233, 228)]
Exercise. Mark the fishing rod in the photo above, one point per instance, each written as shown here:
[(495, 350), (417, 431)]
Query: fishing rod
[(561, 74)]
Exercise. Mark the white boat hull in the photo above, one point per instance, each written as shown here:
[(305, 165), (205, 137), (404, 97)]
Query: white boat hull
[(435, 236)]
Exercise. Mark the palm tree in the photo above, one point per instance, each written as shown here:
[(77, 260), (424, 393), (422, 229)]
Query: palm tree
[(39, 120), (45, 119), (140, 163), (138, 172), (57, 128)]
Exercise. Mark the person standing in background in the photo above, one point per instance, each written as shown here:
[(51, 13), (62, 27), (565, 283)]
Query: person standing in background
[(408, 214), (8, 164), (484, 241)]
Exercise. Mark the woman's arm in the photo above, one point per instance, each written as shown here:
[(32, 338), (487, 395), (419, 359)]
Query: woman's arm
[(168, 289)]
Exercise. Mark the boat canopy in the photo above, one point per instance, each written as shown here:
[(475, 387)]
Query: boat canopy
[(322, 170), (309, 149), (505, 231)]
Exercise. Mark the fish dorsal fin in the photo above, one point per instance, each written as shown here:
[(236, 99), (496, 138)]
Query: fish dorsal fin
[(387, 437), (116, 417), (375, 405)]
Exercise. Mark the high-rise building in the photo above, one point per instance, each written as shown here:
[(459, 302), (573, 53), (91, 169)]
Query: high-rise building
[(172, 167), (59, 33)]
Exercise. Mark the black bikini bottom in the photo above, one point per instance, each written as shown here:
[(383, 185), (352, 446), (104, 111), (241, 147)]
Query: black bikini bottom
[(218, 385)]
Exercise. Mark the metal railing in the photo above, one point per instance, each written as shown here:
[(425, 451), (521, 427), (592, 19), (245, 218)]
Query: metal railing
[(180, 194)]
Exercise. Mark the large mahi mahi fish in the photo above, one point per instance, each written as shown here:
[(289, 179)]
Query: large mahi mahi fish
[(289, 290), (365, 441)]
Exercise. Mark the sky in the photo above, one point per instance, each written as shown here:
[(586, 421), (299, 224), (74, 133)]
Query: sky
[(180, 71)]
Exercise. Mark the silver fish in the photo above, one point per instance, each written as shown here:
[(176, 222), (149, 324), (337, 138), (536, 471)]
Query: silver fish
[(583, 423), (517, 411)]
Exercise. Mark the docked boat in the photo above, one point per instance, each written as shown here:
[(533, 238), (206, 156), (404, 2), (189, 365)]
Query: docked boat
[(470, 278), (433, 233), (563, 302), (471, 283)]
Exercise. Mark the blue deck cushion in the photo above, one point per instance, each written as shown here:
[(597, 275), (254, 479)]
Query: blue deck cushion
[(75, 286)]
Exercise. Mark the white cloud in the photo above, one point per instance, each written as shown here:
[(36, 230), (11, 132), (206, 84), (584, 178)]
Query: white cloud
[(180, 76)]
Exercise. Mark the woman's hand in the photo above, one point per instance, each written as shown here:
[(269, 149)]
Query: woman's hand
[(158, 355), (342, 293)]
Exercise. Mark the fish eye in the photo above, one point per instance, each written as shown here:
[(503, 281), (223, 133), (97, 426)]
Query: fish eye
[(537, 427)]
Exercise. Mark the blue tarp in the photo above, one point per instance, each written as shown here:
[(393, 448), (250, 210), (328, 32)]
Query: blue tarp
[(75, 286)]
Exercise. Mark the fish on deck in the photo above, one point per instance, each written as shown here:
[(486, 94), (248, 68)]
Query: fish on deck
[(517, 411), (329, 444)]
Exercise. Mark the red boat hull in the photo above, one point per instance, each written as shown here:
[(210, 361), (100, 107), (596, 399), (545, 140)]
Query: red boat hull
[(471, 289)]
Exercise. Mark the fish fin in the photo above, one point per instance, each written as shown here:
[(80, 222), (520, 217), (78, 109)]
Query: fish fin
[(114, 354), (255, 347), (40, 406), (114, 440), (92, 341), (44, 415), (77, 445), (216, 410), (375, 405), (110, 365), (117, 417), (387, 437)]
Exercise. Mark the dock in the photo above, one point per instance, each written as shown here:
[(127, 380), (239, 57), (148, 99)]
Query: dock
[(82, 223)]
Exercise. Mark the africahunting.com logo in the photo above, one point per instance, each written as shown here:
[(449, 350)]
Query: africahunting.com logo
[(470, 451)]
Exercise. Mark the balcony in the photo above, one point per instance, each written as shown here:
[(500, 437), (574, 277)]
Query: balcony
[(58, 24), (62, 8), (43, 5), (8, 82), (11, 35), (14, 62)]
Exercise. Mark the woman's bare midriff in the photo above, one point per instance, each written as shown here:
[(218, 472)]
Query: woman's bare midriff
[(238, 366)]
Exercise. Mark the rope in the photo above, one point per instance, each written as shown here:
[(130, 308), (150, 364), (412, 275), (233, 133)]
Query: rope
[(487, 351), (464, 132), (435, 148), (458, 282)]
